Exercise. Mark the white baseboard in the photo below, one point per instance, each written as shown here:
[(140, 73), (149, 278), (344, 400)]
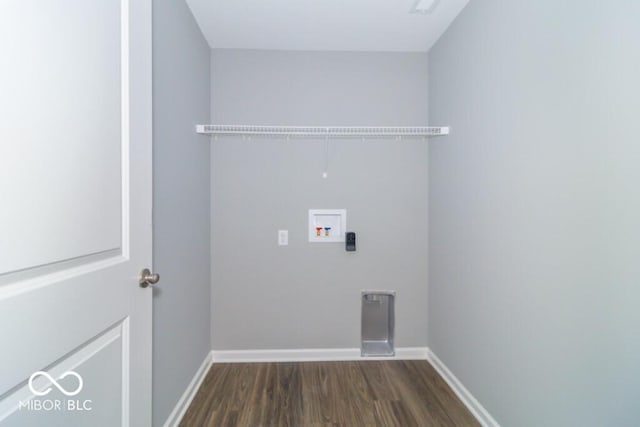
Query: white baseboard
[(185, 400), (311, 355), (461, 391)]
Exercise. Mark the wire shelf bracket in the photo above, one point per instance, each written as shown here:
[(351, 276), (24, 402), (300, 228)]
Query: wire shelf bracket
[(323, 132)]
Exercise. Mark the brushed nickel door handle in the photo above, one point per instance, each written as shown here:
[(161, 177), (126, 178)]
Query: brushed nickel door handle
[(147, 278)]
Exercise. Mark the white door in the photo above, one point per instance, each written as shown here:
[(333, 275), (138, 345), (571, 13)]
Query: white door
[(75, 212)]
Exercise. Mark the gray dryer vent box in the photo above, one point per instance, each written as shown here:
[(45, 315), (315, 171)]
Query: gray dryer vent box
[(377, 324)]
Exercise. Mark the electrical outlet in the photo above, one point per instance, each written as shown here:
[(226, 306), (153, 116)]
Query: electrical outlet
[(283, 237)]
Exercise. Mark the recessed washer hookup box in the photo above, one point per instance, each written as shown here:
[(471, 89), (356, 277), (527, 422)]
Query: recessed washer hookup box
[(327, 225)]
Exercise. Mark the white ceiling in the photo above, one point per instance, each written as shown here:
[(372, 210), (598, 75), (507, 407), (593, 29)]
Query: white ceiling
[(347, 25)]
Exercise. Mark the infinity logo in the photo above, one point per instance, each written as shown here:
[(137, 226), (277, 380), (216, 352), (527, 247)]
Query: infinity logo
[(55, 383)]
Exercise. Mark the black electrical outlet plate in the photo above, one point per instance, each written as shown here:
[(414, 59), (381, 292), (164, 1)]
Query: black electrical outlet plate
[(350, 241)]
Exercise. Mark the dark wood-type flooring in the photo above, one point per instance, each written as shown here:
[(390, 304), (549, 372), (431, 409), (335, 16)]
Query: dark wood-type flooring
[(346, 394)]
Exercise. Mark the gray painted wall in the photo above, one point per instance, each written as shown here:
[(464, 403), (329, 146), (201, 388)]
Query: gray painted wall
[(308, 295), (534, 210), (181, 246)]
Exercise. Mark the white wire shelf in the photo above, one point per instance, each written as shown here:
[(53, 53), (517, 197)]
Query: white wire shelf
[(324, 132)]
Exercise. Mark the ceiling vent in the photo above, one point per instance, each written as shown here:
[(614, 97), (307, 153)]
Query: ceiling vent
[(424, 7)]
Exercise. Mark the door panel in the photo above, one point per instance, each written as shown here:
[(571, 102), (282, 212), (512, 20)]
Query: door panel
[(65, 85), (75, 217), (100, 364)]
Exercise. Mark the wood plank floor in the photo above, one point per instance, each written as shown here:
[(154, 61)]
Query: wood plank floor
[(345, 394)]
